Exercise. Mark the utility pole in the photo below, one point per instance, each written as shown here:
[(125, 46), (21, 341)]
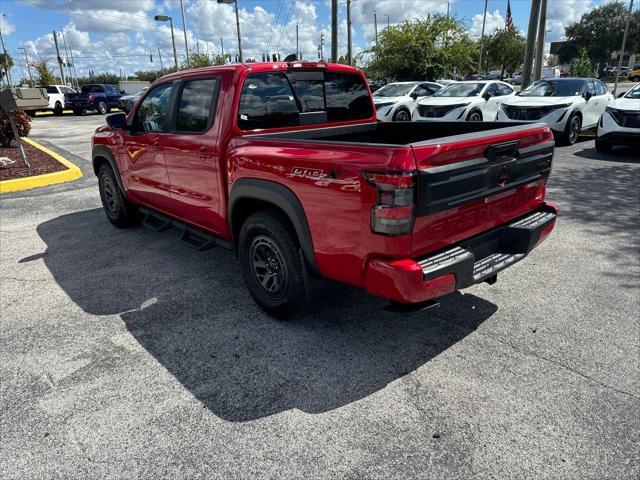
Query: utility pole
[(26, 60), (375, 24), (222, 47), (531, 40), (160, 57), (334, 31), (484, 22), (184, 30), (447, 8), (297, 45), (388, 21), (349, 59), (55, 40), (542, 25), (235, 3), (66, 52), (624, 44), (6, 60), (321, 46)]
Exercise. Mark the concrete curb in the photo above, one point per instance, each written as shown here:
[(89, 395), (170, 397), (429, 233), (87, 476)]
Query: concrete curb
[(15, 185)]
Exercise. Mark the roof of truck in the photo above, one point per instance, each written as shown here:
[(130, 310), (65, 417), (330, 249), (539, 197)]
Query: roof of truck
[(262, 67)]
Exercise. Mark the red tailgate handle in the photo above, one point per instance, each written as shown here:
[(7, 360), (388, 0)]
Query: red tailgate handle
[(503, 152)]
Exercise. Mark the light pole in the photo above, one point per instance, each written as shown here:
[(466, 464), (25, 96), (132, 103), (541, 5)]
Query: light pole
[(26, 59), (184, 30), (235, 3), (164, 18), (484, 22)]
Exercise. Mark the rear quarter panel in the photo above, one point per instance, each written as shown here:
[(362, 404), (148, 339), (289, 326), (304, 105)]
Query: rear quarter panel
[(328, 181)]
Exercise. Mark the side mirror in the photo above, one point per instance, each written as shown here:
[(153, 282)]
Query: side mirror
[(587, 96), (621, 94), (486, 96), (122, 92), (414, 95), (117, 121)]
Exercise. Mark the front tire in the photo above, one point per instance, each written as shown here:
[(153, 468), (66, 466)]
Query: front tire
[(120, 212), (602, 146), (571, 131), (402, 115), (474, 116), (57, 110), (102, 108), (271, 263)]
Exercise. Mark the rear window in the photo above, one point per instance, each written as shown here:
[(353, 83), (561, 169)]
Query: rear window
[(196, 106), (92, 89), (272, 100)]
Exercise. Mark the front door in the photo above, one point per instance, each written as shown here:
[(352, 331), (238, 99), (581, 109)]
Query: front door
[(192, 156), (145, 170)]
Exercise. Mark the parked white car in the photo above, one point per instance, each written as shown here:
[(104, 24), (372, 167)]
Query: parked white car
[(569, 106), (56, 97), (473, 101), (395, 102), (620, 122)]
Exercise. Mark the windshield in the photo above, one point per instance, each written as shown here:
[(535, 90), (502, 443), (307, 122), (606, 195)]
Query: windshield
[(92, 89), (634, 93), (394, 90), (460, 90), (139, 92), (553, 88)]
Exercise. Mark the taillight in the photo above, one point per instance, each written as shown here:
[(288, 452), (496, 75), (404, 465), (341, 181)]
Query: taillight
[(394, 212), (91, 98)]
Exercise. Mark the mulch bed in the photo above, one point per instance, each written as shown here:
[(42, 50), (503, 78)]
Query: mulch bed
[(40, 162)]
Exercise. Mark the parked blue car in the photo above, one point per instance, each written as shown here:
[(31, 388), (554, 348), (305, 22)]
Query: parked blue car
[(97, 96)]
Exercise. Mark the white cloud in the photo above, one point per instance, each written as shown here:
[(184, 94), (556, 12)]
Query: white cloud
[(495, 21), (116, 5), (6, 26), (561, 14)]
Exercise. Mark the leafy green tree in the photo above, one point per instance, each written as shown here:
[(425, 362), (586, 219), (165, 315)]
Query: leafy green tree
[(505, 48), (600, 32), (581, 66), (427, 48), (44, 76), (6, 62), (198, 60)]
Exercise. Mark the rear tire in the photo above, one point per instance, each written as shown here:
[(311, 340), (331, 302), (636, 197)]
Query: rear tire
[(102, 108), (602, 146), (120, 212), (571, 131), (635, 79), (57, 110), (271, 263)]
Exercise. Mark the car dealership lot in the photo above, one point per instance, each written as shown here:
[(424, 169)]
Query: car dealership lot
[(123, 353)]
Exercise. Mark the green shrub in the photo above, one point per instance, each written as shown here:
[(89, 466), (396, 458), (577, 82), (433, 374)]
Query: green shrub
[(581, 66), (23, 124)]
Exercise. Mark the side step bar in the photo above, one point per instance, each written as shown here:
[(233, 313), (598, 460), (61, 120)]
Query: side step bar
[(195, 238)]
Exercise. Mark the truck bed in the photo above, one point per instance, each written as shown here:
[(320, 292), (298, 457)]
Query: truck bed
[(396, 133)]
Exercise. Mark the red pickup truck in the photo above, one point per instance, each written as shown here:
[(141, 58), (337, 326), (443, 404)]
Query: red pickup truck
[(286, 164)]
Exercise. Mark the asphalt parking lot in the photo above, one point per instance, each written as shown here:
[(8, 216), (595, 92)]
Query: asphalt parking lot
[(125, 354)]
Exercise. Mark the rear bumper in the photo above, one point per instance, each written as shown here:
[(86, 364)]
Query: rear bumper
[(471, 261)]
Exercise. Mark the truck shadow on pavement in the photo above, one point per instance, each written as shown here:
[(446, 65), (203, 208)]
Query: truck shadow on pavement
[(192, 312)]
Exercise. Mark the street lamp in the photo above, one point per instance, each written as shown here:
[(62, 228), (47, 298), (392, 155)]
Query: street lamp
[(235, 3), (164, 18)]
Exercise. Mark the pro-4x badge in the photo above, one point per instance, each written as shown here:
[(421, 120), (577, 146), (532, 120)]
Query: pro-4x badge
[(312, 173)]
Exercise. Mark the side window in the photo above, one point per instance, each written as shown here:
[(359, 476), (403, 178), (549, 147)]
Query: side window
[(195, 110), (267, 101), (600, 88), (592, 87), (151, 115), (432, 88), (347, 97), (422, 91), (504, 89), (493, 90), (52, 89)]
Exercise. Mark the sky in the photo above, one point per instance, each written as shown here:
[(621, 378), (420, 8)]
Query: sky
[(121, 36)]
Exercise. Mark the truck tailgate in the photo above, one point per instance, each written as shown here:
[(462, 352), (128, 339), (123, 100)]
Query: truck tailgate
[(471, 183)]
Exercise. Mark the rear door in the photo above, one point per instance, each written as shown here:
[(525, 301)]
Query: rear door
[(145, 171), (473, 182), (191, 153)]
